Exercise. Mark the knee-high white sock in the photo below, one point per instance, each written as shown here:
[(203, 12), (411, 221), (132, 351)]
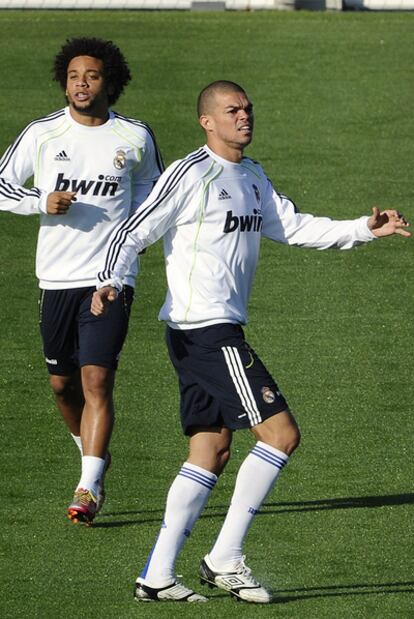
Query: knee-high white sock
[(186, 498), (92, 470), (256, 477)]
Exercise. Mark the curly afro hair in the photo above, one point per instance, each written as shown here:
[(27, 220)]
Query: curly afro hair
[(115, 67)]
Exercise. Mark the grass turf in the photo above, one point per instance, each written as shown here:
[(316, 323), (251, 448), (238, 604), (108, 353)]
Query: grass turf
[(333, 97)]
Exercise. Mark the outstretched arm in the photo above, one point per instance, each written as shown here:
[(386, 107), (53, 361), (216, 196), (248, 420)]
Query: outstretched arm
[(283, 223), (388, 222)]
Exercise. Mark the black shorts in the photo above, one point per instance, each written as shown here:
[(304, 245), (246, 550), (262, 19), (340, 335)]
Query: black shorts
[(74, 337), (222, 381)]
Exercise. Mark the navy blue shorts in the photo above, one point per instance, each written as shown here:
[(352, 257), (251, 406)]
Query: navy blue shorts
[(73, 337), (222, 381)]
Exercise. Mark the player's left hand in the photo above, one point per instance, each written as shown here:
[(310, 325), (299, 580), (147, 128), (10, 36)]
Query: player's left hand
[(388, 222), (101, 299)]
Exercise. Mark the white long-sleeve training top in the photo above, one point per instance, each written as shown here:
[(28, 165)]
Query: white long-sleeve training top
[(212, 214), (112, 168)]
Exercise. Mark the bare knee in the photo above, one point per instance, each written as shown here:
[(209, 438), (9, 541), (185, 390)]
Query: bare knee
[(291, 440), (213, 461), (280, 431), (65, 387), (210, 448), (97, 382), (219, 460), (222, 457)]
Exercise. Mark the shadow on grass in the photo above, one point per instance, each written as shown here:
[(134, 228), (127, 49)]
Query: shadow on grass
[(345, 503), (287, 596), (296, 595), (138, 516)]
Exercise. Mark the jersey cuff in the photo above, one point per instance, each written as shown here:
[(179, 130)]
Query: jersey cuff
[(43, 203), (364, 233), (115, 282)]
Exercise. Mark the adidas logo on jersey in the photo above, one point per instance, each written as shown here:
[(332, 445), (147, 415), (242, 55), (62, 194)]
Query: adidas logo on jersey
[(62, 156), (223, 195), (246, 223), (104, 186)]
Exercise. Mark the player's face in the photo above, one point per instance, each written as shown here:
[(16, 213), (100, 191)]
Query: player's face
[(85, 86), (229, 123)]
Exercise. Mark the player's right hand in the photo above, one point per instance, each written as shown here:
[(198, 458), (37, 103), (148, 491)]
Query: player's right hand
[(59, 202), (101, 299)]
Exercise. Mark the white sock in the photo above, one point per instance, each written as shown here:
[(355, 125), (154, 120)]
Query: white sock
[(92, 469), (78, 442), (256, 476), (185, 501)]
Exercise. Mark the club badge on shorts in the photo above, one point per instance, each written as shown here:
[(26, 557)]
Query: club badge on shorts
[(268, 395), (120, 160)]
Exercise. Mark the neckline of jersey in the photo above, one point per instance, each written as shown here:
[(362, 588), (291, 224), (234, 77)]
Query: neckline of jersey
[(221, 160), (86, 128)]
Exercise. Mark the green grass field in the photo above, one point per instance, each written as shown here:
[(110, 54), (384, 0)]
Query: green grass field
[(333, 95)]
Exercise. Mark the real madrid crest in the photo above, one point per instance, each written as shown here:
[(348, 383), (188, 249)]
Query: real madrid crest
[(120, 160), (268, 395)]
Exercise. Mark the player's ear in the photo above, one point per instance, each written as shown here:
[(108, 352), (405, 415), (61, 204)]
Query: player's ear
[(206, 122)]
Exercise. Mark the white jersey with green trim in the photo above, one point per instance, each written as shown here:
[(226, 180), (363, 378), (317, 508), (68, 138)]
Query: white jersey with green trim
[(212, 214), (111, 167)]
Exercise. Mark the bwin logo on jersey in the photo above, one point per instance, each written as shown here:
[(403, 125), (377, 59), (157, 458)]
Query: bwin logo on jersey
[(105, 185), (246, 223)]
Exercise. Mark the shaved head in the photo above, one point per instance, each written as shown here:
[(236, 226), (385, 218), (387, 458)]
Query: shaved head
[(225, 113), (206, 98)]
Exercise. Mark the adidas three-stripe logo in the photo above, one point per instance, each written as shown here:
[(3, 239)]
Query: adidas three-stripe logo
[(223, 195), (62, 156)]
